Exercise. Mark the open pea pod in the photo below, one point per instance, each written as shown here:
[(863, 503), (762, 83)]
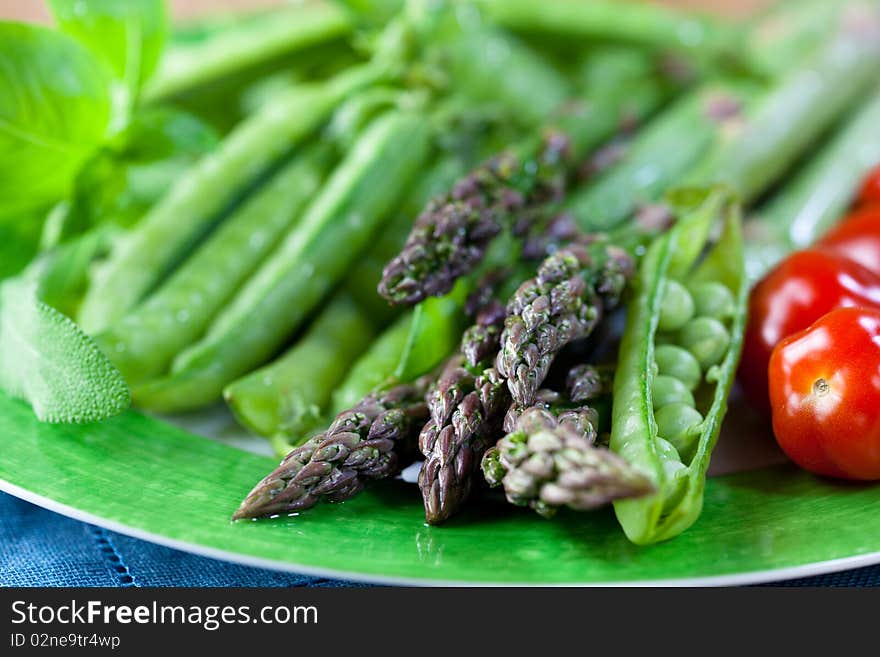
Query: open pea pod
[(677, 361)]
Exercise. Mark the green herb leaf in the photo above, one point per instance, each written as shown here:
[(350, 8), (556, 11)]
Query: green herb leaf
[(128, 36), (48, 361), (54, 111), (19, 240)]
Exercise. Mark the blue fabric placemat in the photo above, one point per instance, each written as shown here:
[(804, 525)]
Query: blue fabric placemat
[(42, 548)]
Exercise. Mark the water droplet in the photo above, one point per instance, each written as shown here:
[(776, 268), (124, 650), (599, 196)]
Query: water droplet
[(182, 316)]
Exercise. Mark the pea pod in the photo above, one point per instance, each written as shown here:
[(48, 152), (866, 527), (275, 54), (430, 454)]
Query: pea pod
[(288, 396), (676, 256), (275, 301)]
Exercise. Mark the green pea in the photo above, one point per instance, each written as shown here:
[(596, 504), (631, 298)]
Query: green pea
[(666, 451), (707, 339), (674, 361), (677, 424), (669, 390), (675, 472), (713, 300), (677, 308)]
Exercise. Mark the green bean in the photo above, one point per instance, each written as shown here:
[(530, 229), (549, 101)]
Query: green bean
[(679, 424), (669, 390), (288, 396), (713, 300), (375, 367), (144, 341), (677, 308), (171, 227), (707, 339), (679, 363), (287, 288), (635, 434)]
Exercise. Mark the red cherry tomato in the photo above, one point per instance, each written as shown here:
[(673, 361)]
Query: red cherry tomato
[(870, 192), (857, 237), (802, 288), (825, 393)]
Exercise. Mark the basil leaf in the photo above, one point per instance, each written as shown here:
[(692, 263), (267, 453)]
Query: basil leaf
[(48, 361), (54, 111), (128, 36)]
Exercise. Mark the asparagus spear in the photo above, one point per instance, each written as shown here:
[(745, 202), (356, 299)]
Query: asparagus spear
[(549, 461), (253, 41), (466, 416), (288, 396), (365, 442), (143, 342), (170, 228), (450, 237), (295, 279), (562, 303)]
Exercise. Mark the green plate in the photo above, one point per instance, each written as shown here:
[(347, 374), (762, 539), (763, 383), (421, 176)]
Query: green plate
[(143, 477)]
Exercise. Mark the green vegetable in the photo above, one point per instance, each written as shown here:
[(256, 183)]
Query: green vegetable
[(635, 23), (41, 146), (144, 341), (171, 227), (634, 431), (669, 390), (131, 172), (713, 300), (794, 114), (375, 367), (679, 423), (706, 338), (49, 362), (674, 361), (279, 297), (245, 45), (677, 307), (818, 194), (660, 154), (492, 66), (128, 37), (288, 396)]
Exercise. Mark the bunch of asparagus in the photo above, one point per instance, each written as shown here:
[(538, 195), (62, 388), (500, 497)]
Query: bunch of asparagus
[(487, 404), (410, 239)]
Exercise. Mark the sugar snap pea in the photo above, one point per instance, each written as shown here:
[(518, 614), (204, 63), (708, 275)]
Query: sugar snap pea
[(375, 367), (143, 342), (676, 461), (245, 45), (297, 276), (188, 210), (288, 396)]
